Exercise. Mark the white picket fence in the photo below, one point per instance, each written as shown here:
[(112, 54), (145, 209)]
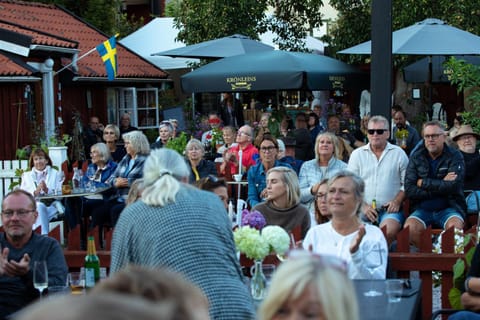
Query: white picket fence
[(7, 174)]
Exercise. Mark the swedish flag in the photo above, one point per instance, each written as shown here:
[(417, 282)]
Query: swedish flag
[(108, 52)]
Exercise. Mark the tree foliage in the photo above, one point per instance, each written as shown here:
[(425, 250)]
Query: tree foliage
[(291, 20), (354, 21), (103, 14), (466, 77)]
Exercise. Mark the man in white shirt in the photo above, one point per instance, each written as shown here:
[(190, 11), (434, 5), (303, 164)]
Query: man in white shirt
[(382, 166)]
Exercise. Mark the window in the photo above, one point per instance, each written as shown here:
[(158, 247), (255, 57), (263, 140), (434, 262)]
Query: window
[(140, 103)]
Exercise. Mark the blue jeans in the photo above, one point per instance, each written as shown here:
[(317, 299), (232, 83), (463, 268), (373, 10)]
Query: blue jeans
[(464, 315), (436, 218)]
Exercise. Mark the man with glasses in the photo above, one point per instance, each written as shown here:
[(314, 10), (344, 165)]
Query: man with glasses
[(382, 166), (20, 248), (249, 153), (434, 184)]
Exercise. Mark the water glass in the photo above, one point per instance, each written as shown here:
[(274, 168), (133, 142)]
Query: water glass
[(76, 281), (394, 289)]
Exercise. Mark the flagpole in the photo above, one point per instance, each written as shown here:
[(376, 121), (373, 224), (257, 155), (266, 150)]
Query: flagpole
[(75, 61), (79, 58)]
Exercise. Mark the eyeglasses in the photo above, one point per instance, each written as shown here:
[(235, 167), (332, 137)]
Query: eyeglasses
[(269, 149), (240, 133), (20, 213), (320, 196), (434, 136), (378, 131)]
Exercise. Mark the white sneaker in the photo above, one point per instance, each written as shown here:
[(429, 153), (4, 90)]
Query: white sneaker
[(59, 206)]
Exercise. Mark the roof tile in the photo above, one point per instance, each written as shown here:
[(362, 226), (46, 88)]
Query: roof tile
[(56, 27)]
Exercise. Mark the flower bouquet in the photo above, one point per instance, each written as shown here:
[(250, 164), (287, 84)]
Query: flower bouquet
[(401, 136), (257, 241)]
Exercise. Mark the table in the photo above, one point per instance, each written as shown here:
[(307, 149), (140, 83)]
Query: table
[(75, 205), (75, 193), (372, 308)]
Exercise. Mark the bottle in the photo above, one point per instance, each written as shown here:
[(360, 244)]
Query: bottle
[(374, 206), (92, 265)]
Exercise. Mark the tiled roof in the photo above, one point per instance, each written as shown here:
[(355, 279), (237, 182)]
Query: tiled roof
[(10, 68), (57, 27)]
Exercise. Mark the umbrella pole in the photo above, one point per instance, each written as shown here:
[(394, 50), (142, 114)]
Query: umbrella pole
[(430, 88)]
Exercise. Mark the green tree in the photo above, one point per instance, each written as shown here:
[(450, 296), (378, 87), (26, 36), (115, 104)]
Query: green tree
[(354, 21), (466, 77), (103, 14), (198, 21)]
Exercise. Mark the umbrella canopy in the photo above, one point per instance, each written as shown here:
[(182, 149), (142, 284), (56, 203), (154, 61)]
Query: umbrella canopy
[(427, 37), (271, 70), (417, 72), (218, 48)]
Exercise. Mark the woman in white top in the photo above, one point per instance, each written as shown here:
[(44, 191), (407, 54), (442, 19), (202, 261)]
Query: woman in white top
[(42, 180), (345, 236)]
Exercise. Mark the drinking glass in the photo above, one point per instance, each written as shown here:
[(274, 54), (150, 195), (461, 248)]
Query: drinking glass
[(40, 276), (61, 179), (373, 262), (76, 281)]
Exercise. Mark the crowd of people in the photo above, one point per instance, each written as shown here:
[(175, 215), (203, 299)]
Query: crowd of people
[(332, 182)]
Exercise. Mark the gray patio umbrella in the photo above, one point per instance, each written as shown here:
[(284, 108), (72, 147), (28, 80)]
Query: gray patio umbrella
[(218, 48), (272, 70), (427, 37), (417, 72)]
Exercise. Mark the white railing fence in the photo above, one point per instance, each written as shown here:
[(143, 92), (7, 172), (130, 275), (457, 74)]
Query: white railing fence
[(7, 174)]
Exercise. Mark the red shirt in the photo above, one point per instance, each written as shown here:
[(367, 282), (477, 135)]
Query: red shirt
[(249, 157)]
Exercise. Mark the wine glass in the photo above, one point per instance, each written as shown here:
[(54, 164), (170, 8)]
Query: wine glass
[(61, 179), (40, 276), (373, 262)]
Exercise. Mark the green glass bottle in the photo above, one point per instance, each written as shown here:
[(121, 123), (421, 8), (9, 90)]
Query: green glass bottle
[(92, 265)]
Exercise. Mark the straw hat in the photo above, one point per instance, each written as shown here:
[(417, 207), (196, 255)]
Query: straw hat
[(464, 130)]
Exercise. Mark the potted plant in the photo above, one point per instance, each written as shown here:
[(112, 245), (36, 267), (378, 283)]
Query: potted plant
[(57, 149)]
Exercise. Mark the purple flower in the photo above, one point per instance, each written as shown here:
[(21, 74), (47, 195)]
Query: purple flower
[(253, 219)]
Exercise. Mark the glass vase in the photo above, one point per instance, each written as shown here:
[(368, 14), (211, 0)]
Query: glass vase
[(258, 283)]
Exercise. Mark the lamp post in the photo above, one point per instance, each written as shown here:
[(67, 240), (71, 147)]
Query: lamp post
[(46, 68)]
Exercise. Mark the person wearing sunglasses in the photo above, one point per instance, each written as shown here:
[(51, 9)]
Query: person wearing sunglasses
[(111, 135), (382, 166), (308, 286), (434, 184), (256, 176)]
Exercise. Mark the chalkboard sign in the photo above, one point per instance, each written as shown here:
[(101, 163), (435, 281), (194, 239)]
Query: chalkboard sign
[(175, 113)]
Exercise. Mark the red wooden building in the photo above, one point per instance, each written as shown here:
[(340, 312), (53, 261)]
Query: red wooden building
[(36, 42)]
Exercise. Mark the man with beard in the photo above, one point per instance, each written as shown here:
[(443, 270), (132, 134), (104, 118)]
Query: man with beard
[(434, 184)]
